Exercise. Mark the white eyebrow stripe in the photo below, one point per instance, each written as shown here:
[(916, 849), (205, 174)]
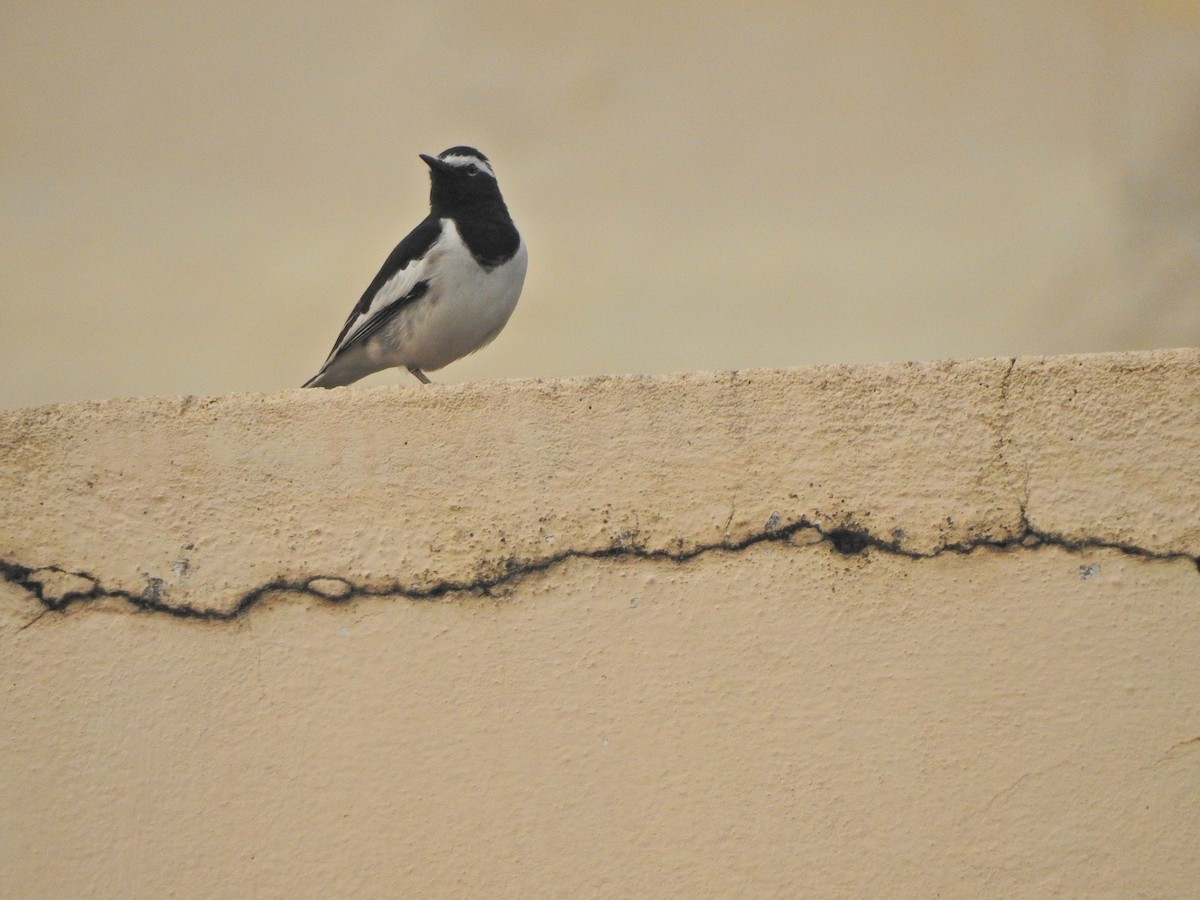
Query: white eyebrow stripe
[(457, 160)]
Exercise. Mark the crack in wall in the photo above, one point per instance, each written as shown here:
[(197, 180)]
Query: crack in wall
[(1008, 791), (848, 540), (1003, 429)]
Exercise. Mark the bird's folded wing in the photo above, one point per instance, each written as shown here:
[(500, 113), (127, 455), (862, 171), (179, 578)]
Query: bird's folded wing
[(400, 281), (373, 322)]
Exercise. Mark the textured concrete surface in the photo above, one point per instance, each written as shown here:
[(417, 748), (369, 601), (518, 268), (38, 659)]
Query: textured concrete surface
[(852, 630)]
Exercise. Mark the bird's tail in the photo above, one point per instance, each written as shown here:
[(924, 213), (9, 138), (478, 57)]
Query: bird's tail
[(341, 369), (331, 376), (326, 379)]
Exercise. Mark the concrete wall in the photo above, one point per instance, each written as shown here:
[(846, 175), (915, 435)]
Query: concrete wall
[(910, 630)]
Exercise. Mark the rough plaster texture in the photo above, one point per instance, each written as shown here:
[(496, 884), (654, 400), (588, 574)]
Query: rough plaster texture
[(921, 629)]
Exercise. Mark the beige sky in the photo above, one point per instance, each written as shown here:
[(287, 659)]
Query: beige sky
[(191, 198)]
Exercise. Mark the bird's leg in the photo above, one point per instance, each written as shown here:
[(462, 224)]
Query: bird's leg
[(419, 375)]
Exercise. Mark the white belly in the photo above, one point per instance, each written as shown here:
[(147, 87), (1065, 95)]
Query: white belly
[(464, 309)]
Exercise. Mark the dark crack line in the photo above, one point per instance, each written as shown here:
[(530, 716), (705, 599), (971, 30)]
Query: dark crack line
[(848, 540)]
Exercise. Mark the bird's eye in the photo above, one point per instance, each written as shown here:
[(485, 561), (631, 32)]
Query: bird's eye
[(472, 171)]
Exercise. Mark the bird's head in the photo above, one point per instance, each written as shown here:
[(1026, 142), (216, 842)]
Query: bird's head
[(459, 177)]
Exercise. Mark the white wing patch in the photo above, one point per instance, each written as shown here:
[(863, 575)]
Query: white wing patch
[(392, 290)]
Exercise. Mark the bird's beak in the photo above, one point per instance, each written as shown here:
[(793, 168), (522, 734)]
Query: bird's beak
[(434, 163)]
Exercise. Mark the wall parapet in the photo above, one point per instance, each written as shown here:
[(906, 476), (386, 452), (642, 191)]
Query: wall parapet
[(907, 630), (200, 507)]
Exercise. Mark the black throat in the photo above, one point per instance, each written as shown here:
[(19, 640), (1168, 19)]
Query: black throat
[(488, 232), (478, 211)]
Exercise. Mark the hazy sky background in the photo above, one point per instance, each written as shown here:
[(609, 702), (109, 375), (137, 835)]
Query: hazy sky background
[(192, 196)]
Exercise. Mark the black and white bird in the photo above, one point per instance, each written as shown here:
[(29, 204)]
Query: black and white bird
[(446, 290)]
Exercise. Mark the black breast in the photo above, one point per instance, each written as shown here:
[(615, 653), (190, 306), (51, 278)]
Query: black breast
[(489, 234)]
